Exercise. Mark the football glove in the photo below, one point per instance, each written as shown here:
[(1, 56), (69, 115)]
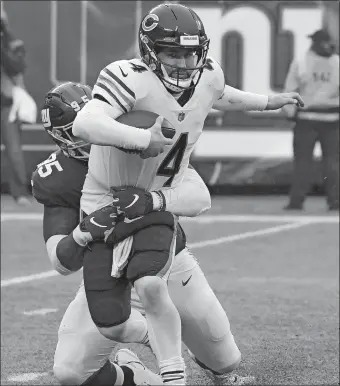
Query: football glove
[(127, 228), (136, 202), (96, 226)]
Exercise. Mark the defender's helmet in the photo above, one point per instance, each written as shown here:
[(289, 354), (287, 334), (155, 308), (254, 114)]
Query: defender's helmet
[(62, 103), (173, 25)]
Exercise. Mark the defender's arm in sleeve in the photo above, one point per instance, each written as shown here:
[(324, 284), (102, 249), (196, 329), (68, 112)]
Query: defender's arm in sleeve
[(65, 254), (113, 95), (189, 198)]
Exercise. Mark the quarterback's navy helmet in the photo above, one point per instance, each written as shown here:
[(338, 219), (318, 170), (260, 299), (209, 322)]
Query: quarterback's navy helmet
[(173, 26)]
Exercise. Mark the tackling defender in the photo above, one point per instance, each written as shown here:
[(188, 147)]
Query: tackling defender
[(174, 79)]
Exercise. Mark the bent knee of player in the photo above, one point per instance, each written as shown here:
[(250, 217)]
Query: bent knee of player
[(224, 360), (151, 290), (229, 367), (230, 357), (69, 361), (228, 362), (116, 333)]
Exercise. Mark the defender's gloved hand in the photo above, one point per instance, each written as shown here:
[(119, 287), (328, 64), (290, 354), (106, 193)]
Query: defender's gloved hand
[(96, 226)]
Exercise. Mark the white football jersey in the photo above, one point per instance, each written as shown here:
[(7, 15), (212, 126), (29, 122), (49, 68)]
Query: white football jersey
[(130, 85)]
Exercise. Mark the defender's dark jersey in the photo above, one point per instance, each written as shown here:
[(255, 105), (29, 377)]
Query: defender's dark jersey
[(58, 181)]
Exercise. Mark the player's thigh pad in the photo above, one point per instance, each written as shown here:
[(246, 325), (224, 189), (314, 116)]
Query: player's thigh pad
[(81, 348), (205, 325), (108, 298), (152, 252)]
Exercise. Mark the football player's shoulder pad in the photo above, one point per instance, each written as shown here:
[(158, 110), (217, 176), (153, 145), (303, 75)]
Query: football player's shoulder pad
[(122, 82), (58, 181)]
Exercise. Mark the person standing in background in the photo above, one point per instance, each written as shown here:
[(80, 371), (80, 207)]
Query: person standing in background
[(330, 20), (316, 77), (12, 67)]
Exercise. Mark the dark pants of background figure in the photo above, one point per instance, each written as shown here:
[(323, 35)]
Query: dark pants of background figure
[(306, 134), (11, 138)]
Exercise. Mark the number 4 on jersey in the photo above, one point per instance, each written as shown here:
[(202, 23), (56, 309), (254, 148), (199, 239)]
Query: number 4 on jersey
[(172, 162)]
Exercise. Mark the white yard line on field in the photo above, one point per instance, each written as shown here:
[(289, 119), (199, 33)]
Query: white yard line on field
[(248, 235), (41, 311), (200, 244), (331, 219), (260, 218), (21, 216), (26, 377), (28, 278)]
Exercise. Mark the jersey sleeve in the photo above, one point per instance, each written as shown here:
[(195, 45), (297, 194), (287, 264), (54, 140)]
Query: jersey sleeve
[(117, 84), (218, 79), (58, 181), (59, 220), (42, 192)]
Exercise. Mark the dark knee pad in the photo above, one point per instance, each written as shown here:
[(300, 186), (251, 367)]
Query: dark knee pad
[(109, 308), (153, 250), (108, 298)]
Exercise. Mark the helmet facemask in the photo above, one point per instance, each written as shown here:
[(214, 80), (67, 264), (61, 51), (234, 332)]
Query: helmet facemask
[(176, 79), (62, 103), (69, 144)]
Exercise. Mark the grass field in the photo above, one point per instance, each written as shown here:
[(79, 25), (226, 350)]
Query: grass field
[(275, 273)]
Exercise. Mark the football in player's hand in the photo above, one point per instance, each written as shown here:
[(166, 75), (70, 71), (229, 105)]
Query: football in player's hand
[(144, 120)]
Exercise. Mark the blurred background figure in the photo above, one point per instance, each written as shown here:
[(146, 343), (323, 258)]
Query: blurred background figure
[(315, 76), (16, 106), (330, 20)]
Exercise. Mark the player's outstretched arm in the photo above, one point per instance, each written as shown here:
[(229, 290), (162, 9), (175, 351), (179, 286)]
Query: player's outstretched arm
[(188, 198), (238, 100)]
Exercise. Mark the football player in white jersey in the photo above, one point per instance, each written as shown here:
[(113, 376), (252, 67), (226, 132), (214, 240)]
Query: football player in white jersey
[(82, 353), (174, 79)]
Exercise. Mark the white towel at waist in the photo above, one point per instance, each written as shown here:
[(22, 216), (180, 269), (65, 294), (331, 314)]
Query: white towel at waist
[(120, 256)]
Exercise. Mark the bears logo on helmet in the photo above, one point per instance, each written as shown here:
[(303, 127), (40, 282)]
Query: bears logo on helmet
[(154, 21), (178, 27)]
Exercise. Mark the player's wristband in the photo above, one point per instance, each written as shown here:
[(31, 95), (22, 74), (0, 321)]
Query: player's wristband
[(81, 238), (158, 199)]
